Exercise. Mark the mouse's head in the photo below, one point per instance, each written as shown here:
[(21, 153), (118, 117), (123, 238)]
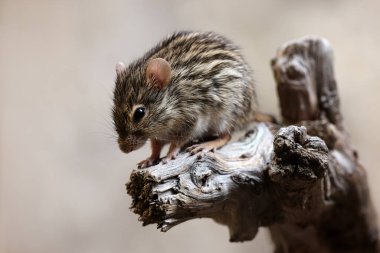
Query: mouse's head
[(139, 112)]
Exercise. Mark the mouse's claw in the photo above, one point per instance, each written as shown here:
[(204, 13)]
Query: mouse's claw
[(200, 148), (147, 163), (210, 145), (172, 154), (169, 157)]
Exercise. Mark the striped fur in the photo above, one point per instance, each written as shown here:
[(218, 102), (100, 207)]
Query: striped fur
[(211, 91)]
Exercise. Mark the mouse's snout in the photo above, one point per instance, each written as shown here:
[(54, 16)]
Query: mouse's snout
[(130, 143)]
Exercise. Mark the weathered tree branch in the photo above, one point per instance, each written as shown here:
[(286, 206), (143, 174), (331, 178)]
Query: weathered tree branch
[(308, 96), (310, 190)]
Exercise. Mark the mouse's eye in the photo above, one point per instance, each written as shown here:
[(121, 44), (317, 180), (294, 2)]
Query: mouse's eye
[(139, 113)]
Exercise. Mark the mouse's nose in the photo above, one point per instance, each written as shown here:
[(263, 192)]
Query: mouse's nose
[(126, 148), (129, 144)]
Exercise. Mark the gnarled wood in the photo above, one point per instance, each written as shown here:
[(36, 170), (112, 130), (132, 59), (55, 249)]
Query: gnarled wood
[(302, 181), (308, 96)]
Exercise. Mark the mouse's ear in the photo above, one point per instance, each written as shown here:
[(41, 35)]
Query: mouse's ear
[(158, 72), (120, 68)]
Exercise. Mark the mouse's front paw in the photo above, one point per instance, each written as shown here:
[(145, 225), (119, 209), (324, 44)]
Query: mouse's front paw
[(172, 154), (169, 157), (147, 163)]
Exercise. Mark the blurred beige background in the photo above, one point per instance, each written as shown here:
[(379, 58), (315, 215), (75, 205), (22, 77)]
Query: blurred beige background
[(62, 175)]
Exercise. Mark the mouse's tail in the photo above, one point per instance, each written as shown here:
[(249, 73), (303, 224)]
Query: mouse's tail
[(264, 117)]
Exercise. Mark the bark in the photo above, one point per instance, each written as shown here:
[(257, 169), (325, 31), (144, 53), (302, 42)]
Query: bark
[(302, 179)]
